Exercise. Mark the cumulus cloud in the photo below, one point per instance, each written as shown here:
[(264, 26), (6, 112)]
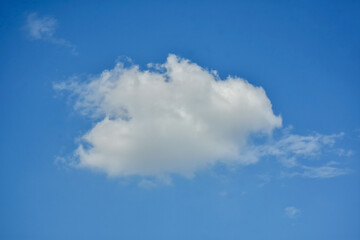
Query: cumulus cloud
[(174, 118), (43, 28), (178, 118), (292, 212)]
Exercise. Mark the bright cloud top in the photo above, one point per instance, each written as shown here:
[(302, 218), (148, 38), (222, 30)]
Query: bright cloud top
[(173, 118)]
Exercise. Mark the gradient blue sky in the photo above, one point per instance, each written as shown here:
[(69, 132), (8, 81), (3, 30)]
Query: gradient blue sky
[(305, 54)]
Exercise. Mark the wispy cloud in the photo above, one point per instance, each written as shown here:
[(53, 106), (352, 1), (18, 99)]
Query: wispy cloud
[(288, 147), (323, 172), (293, 150), (292, 212), (149, 183), (328, 170), (43, 28), (264, 179)]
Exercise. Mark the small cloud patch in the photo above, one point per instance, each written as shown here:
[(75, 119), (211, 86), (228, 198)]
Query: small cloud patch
[(43, 28), (292, 212)]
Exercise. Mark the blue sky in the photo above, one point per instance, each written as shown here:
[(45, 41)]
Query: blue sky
[(97, 146)]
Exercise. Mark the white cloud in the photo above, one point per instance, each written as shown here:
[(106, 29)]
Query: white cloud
[(344, 153), (323, 172), (290, 146), (329, 170), (292, 212), (40, 28), (177, 118), (289, 149), (43, 28)]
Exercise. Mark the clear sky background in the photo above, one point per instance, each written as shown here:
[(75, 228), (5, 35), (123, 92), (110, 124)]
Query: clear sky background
[(304, 54)]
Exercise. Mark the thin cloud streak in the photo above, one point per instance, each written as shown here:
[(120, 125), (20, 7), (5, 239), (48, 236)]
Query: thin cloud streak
[(325, 171)]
